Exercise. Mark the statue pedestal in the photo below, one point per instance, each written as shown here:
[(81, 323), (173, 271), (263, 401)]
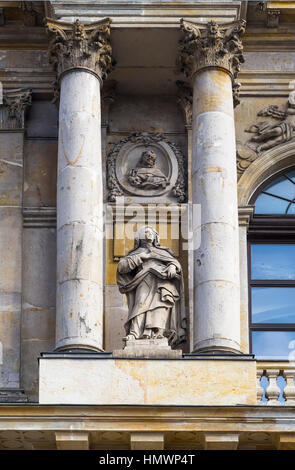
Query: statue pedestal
[(146, 348), (91, 378)]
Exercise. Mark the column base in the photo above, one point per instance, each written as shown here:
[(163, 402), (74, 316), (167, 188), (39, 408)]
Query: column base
[(74, 348), (217, 346)]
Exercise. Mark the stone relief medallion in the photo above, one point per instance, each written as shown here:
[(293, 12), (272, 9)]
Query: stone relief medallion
[(144, 166)]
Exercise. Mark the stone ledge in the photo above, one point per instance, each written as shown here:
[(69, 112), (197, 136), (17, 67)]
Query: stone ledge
[(11, 395), (114, 381)]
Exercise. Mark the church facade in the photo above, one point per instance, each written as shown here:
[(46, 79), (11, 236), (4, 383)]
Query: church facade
[(147, 201)]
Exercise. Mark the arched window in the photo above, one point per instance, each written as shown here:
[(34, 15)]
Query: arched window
[(271, 256)]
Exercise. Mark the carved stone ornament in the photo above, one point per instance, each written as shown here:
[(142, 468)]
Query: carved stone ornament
[(215, 45), (267, 134), (152, 279), (273, 17), (80, 45), (144, 166), (279, 129), (185, 101), (15, 103), (245, 156)]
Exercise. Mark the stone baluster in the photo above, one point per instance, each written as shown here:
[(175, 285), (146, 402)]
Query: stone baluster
[(210, 56), (260, 390), (289, 391), (81, 55), (273, 391)]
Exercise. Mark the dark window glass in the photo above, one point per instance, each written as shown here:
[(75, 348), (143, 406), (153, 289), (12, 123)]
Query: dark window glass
[(278, 197), (274, 344), (273, 261), (273, 304)]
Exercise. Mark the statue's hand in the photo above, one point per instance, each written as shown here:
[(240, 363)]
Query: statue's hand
[(171, 271)]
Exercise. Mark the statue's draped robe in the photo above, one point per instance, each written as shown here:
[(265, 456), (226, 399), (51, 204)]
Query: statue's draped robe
[(150, 292), (147, 178)]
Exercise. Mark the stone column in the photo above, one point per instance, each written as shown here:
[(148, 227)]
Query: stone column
[(210, 57), (81, 55), (12, 127)]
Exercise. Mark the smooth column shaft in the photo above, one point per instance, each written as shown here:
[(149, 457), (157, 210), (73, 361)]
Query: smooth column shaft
[(214, 186), (79, 215)]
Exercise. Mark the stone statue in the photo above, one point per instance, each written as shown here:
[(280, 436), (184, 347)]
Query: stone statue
[(268, 134), (146, 175), (152, 280)]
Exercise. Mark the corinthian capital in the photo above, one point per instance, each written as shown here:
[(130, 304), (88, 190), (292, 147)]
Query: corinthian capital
[(215, 45), (80, 45), (15, 104)]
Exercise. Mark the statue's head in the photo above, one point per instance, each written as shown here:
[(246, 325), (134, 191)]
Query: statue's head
[(148, 158), (146, 234)]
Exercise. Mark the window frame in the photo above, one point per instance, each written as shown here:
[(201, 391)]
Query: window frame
[(268, 229), (266, 183)]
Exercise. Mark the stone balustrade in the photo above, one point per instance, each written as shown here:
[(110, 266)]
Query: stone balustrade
[(275, 383)]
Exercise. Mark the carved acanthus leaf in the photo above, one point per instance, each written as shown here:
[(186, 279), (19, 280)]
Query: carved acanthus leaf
[(216, 45), (213, 46), (81, 45)]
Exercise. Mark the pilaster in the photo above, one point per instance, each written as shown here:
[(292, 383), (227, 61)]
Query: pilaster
[(12, 127)]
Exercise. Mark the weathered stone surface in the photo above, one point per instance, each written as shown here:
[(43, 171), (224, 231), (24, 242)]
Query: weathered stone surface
[(30, 351), (12, 147), (11, 168), (40, 173), (10, 341), (42, 120), (39, 268), (38, 303), (160, 381), (10, 259), (145, 114)]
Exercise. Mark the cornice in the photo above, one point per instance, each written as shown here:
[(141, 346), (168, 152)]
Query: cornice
[(147, 14)]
